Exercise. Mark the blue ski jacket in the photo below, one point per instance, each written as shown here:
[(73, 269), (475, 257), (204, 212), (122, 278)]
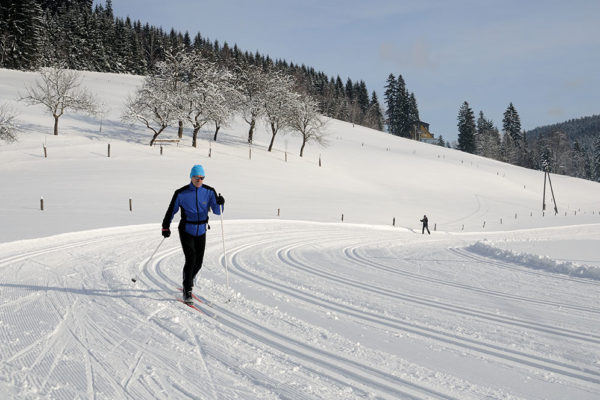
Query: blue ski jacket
[(194, 204)]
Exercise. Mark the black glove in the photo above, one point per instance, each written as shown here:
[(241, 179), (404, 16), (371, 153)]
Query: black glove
[(166, 232), (220, 200)]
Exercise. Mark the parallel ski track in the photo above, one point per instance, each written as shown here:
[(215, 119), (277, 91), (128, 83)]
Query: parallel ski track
[(463, 343), (286, 256), (335, 367), (352, 253)]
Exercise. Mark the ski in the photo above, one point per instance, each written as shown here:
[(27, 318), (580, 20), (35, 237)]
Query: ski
[(198, 299), (191, 305)]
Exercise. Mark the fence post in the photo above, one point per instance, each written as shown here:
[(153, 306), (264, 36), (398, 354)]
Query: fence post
[(41, 203), (278, 212), (109, 150), (319, 160), (130, 205), (342, 217), (394, 222), (45, 151), (484, 224), (434, 227)]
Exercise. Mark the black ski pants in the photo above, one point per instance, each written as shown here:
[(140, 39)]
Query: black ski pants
[(193, 249), (423, 230)]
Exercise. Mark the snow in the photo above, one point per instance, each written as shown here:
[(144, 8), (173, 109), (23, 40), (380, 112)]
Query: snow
[(315, 308)]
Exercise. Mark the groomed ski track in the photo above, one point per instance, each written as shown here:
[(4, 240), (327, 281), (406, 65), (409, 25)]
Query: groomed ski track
[(314, 311)]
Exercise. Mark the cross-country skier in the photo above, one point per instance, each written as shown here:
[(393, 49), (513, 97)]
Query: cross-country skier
[(194, 200), (425, 222)]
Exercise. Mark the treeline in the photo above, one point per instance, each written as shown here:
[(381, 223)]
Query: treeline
[(78, 35), (570, 148)]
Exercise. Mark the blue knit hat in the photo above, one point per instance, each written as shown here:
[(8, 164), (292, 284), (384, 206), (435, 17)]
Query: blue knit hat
[(197, 170)]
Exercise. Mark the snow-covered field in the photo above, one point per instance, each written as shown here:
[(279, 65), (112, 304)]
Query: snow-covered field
[(499, 302)]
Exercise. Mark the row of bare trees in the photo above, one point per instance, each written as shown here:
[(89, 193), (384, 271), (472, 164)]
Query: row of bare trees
[(188, 90)]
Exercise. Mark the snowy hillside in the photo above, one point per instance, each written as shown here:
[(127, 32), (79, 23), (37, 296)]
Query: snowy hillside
[(499, 302)]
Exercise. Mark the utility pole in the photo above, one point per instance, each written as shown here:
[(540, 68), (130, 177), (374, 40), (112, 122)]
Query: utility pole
[(547, 175)]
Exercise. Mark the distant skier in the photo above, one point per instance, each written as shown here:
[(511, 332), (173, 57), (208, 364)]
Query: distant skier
[(425, 222), (194, 200)]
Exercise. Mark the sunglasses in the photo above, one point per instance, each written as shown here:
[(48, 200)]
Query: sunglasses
[(198, 178)]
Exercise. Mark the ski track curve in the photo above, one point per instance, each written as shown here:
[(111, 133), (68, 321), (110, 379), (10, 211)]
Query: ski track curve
[(488, 349), (94, 334)]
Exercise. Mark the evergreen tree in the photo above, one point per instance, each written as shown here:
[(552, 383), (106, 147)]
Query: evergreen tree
[(487, 139), (349, 90), (546, 160), (390, 96), (466, 129), (402, 108), (511, 124), (362, 97), (374, 116), (402, 111), (412, 116), (596, 160)]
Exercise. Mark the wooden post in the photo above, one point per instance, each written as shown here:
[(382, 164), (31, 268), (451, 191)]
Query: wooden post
[(130, 205), (394, 222), (286, 156), (161, 150), (209, 149), (319, 160), (500, 221), (278, 212), (41, 203), (434, 227), (45, 151), (484, 224), (342, 217), (109, 150), (249, 152)]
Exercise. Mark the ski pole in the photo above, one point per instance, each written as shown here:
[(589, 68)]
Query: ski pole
[(157, 247), (224, 252)]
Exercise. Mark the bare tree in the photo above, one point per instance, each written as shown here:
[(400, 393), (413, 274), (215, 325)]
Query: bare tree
[(153, 104), (251, 84), (8, 124), (279, 102), (226, 101), (306, 120), (201, 94), (59, 90)]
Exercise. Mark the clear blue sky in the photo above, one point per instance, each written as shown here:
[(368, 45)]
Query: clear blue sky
[(543, 56)]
